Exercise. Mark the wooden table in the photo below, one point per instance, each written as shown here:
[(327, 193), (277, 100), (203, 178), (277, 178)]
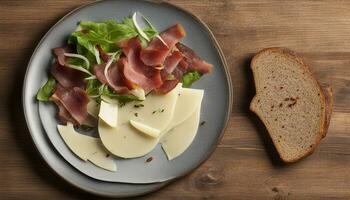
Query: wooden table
[(244, 166)]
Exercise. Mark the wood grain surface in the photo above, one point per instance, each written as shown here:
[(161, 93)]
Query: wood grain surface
[(245, 165)]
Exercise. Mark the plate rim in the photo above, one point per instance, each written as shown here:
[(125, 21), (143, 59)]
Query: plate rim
[(228, 81)]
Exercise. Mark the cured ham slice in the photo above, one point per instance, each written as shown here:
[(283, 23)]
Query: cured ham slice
[(135, 71), (180, 69), (147, 83), (157, 51), (115, 76), (59, 52), (195, 63), (170, 64), (74, 100), (167, 86), (63, 115), (172, 61), (173, 35), (68, 77)]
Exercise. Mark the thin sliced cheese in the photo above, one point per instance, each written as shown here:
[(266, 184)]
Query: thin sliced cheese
[(139, 93), (86, 147), (145, 129), (104, 161), (178, 139), (189, 100), (127, 142), (109, 113)]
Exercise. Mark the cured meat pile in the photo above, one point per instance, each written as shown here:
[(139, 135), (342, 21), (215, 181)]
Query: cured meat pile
[(158, 67)]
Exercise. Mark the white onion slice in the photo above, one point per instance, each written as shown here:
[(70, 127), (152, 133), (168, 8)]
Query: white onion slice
[(142, 33), (73, 55), (97, 55), (79, 68), (139, 30), (90, 77), (149, 24), (82, 69), (161, 39), (109, 63)]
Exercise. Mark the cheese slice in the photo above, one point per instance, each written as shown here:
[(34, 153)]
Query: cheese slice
[(128, 142), (86, 147), (139, 93), (93, 108), (178, 139), (188, 101), (103, 160), (145, 129), (109, 113)]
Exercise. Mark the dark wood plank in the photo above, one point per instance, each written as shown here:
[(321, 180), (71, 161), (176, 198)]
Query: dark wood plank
[(244, 166)]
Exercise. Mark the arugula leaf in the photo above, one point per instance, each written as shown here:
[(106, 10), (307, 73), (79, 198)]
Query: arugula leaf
[(94, 88), (104, 34), (77, 62), (46, 90), (83, 51), (128, 22), (121, 31), (189, 78), (122, 98), (100, 28), (151, 32)]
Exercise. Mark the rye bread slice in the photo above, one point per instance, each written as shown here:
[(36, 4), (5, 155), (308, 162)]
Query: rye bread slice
[(289, 101)]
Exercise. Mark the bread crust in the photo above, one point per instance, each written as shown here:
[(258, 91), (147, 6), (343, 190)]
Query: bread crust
[(323, 121), (328, 94)]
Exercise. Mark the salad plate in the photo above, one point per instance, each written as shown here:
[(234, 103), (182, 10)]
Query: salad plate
[(216, 104)]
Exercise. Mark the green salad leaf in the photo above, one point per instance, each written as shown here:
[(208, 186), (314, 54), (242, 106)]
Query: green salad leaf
[(189, 78), (94, 88), (105, 34), (83, 51), (122, 98), (77, 62), (46, 91)]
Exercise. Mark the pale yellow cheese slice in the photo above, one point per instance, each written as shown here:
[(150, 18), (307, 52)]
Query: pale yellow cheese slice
[(178, 139), (189, 100), (103, 160), (139, 93), (145, 129), (109, 113), (86, 147), (128, 142)]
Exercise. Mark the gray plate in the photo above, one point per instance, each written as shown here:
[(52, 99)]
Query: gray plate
[(215, 109)]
